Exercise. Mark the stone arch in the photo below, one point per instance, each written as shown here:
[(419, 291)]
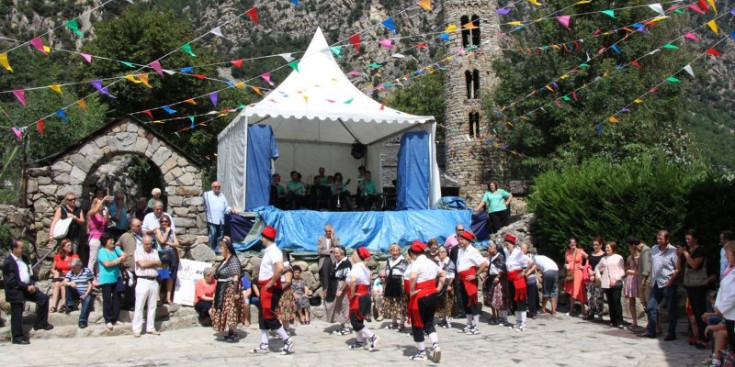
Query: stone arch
[(463, 20), (68, 170), (474, 123), (475, 30)]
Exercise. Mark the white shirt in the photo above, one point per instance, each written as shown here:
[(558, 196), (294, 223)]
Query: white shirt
[(544, 264), (139, 255), (723, 262), (425, 269), (215, 207), (494, 269), (516, 260), (468, 257), (361, 273), (271, 257), (726, 296), (23, 270), (443, 264), (407, 273), (150, 221)]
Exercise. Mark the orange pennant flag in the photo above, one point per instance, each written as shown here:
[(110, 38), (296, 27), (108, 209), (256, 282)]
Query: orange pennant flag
[(144, 79), (426, 4), (82, 103), (549, 88), (469, 25), (257, 90), (612, 119), (190, 101)]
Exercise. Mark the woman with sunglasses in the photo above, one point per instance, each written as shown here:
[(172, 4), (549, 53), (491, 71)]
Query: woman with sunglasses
[(168, 252), (69, 208)]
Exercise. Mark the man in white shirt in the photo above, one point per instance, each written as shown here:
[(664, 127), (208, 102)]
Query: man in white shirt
[(549, 281), (215, 208), (725, 236), (269, 282), (150, 221), (147, 263), (469, 265)]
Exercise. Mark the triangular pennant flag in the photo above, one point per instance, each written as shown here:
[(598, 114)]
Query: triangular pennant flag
[(503, 11), (253, 15), (4, 61), (689, 70), (213, 97), (695, 8), (610, 13), (670, 46), (657, 8), (349, 101), (237, 63), (451, 28), (713, 26), (336, 50), (20, 94), (444, 37), (128, 64), (703, 5), (636, 64), (217, 31), (86, 57), (267, 78), (390, 24), (295, 2), (62, 115), (38, 44), (387, 43), (615, 48), (239, 85), (294, 65), (673, 80), (56, 88), (469, 25), (72, 24), (534, 2), (712, 4), (353, 73), (599, 128), (398, 56), (638, 101), (169, 110), (18, 133), (39, 126), (287, 57), (426, 4), (97, 84), (355, 41), (713, 52), (188, 69), (732, 34), (156, 65), (564, 20), (257, 90), (612, 119), (691, 36), (597, 31), (82, 104), (187, 49), (144, 79), (148, 113), (375, 65), (574, 94), (191, 101)]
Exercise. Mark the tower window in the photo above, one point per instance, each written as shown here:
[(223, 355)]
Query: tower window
[(472, 81), (466, 34), (476, 30), (474, 124)]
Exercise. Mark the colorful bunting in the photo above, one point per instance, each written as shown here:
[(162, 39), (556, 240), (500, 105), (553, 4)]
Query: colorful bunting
[(444, 37), (691, 36), (38, 44), (670, 46), (294, 65), (713, 26), (615, 48), (82, 104), (695, 8), (610, 13), (534, 2), (295, 2), (39, 126), (657, 8), (703, 5), (217, 31), (503, 11), (56, 88), (336, 50), (375, 65), (355, 41), (421, 45), (191, 101), (86, 57), (353, 73), (62, 115), (636, 64), (256, 90), (451, 28), (349, 101), (187, 49), (18, 133), (188, 69), (426, 4), (144, 79), (97, 84), (128, 64), (4, 61), (398, 56), (148, 113), (712, 4), (387, 43), (713, 52), (156, 65), (72, 24), (169, 110), (689, 70), (638, 101), (612, 119), (132, 79), (253, 15), (564, 20), (390, 24), (287, 57), (20, 94), (267, 78), (237, 63), (673, 80), (213, 97)]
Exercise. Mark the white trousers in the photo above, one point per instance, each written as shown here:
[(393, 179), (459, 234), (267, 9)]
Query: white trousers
[(145, 291), (94, 248)]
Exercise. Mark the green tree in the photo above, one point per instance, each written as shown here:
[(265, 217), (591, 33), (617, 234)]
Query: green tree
[(424, 97)]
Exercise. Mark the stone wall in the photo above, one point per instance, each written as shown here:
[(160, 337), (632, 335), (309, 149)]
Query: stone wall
[(70, 172), (470, 161)]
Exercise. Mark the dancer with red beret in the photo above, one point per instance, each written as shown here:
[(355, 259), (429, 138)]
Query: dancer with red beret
[(469, 264), (359, 296), (422, 304), (516, 263)]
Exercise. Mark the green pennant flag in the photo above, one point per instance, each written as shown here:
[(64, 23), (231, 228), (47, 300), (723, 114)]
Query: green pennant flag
[(388, 84), (680, 11), (294, 65), (128, 64), (192, 119), (671, 47), (566, 99), (609, 13), (240, 106), (72, 24), (336, 50), (673, 80), (375, 65), (187, 49), (584, 65), (349, 101)]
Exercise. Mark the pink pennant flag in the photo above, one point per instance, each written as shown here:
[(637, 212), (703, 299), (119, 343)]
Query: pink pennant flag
[(387, 43), (597, 31), (653, 90), (691, 36), (18, 133), (21, 95), (267, 78), (574, 94), (38, 44), (695, 8), (86, 57), (557, 103), (353, 73), (564, 20), (156, 65)]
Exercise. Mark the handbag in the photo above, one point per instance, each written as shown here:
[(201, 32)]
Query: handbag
[(696, 278), (570, 272), (61, 229)]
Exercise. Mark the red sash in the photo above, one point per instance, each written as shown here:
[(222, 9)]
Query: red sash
[(360, 290), (519, 283), (407, 286), (266, 298), (424, 289), (470, 286)]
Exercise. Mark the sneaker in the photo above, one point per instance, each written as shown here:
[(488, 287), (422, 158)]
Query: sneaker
[(514, 326), (109, 326), (119, 323), (288, 347), (373, 342), (357, 345), (153, 332), (420, 356), (437, 353), (262, 349), (466, 329), (520, 326), (473, 331), (137, 335)]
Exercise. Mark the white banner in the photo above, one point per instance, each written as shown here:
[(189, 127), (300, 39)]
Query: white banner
[(189, 273)]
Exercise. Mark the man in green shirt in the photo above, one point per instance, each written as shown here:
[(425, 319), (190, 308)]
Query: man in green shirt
[(368, 195)]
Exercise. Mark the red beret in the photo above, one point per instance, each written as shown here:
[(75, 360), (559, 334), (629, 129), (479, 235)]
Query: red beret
[(363, 253), (418, 246), (511, 238), (469, 236), (269, 232)]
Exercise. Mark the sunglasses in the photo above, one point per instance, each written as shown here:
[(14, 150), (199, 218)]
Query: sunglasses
[(72, 199), (165, 221)]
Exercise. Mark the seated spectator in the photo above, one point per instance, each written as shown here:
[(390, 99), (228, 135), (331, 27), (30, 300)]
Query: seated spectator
[(61, 265), (141, 209), (321, 178), (204, 294), (368, 194), (255, 294), (319, 194), (77, 283), (246, 292), (296, 191), (278, 192), (155, 196), (341, 200), (377, 292), (301, 294)]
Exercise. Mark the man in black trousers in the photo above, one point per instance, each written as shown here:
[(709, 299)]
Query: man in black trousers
[(19, 287)]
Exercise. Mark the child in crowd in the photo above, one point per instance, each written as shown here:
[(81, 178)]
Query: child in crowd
[(301, 294)]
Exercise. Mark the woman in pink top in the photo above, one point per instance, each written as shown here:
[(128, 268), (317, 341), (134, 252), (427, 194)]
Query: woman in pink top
[(97, 224), (611, 271)]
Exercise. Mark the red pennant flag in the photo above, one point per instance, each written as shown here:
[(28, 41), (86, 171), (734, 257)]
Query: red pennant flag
[(253, 15), (237, 63), (355, 41), (199, 76), (421, 45), (382, 106), (149, 114), (713, 52), (597, 31), (39, 126), (636, 64), (703, 5)]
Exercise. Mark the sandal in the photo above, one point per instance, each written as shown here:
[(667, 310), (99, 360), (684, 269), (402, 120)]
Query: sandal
[(52, 309)]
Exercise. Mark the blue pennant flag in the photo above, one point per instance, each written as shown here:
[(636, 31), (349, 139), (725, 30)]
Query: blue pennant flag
[(444, 37), (169, 110), (599, 128), (188, 69), (390, 24), (295, 2), (615, 48), (62, 114)]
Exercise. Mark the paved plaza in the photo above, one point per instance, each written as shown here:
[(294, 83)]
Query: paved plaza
[(558, 341)]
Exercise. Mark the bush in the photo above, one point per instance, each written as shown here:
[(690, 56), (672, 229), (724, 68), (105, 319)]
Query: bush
[(600, 198)]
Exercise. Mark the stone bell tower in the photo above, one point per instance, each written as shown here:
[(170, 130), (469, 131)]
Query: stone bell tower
[(470, 81)]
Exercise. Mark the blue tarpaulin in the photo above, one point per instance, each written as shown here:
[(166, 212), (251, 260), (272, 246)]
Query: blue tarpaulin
[(479, 225), (261, 149), (298, 230), (413, 171)]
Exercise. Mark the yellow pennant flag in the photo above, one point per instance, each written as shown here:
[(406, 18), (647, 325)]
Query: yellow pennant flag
[(132, 79), (306, 98), (82, 103), (4, 61), (713, 25), (565, 76), (47, 48), (56, 88), (612, 119), (583, 2), (638, 101), (190, 101), (534, 2), (515, 22), (426, 4), (144, 79), (239, 85), (451, 28), (712, 4)]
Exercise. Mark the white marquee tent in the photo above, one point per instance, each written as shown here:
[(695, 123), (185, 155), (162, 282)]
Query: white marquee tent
[(316, 115)]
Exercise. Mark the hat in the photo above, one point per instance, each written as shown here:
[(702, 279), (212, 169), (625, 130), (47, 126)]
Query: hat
[(363, 253), (511, 238), (418, 246), (269, 233), (469, 236)]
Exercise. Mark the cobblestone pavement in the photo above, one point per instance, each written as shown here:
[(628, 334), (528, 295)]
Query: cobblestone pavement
[(558, 341)]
